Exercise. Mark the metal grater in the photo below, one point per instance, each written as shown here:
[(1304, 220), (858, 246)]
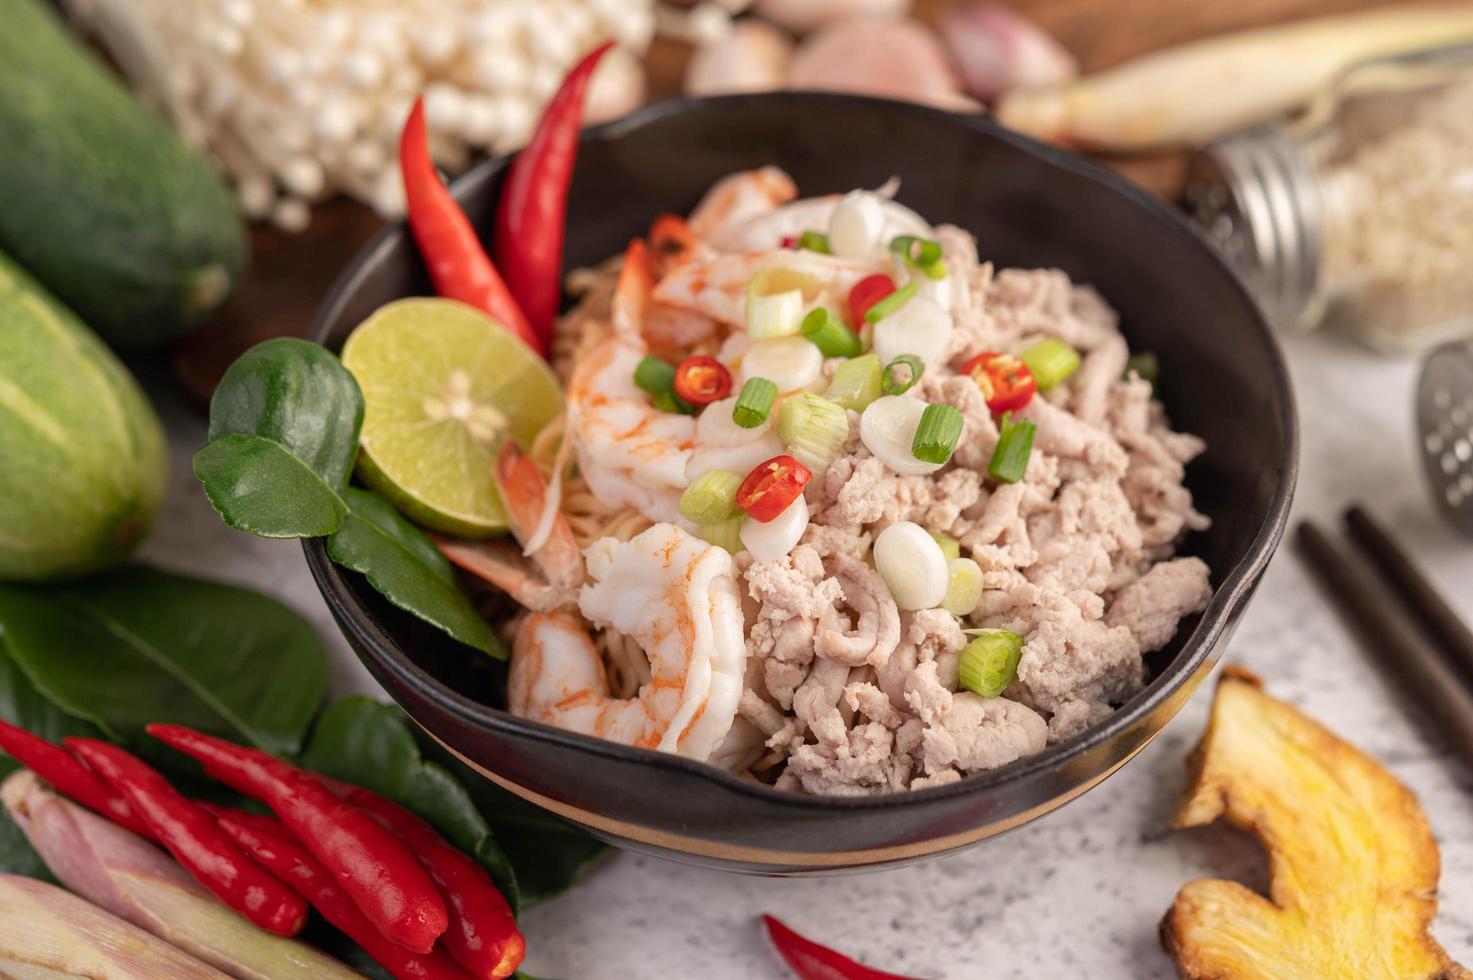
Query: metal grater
[(1445, 425)]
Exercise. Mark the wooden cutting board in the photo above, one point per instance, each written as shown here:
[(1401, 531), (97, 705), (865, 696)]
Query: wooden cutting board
[(291, 273)]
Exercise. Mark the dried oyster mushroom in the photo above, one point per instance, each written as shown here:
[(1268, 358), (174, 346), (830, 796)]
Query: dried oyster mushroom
[(1353, 862)]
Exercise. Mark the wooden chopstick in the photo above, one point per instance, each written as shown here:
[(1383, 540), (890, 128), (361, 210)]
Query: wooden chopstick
[(1390, 633), (1451, 634)]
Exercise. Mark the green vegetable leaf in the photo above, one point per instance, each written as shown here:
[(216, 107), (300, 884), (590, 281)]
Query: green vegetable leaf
[(406, 567), (548, 854), (17, 857), (258, 486), (138, 645), (284, 425), (22, 705), (297, 394), (366, 743)]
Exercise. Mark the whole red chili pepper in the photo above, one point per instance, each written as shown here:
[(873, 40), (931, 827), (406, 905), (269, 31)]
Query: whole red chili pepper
[(810, 961), (270, 843), (457, 261), (531, 217), (483, 935), (377, 871), (69, 777), (196, 841)]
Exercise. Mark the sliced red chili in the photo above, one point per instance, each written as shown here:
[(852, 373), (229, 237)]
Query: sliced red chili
[(702, 380), (1005, 380), (789, 241), (866, 293), (771, 486)]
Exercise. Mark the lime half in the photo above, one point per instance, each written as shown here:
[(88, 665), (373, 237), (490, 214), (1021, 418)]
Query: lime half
[(443, 386)]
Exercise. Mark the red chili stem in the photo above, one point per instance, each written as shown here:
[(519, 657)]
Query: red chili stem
[(376, 870), (457, 261), (197, 843), (531, 217), (483, 936), (810, 961), (70, 777), (270, 843)]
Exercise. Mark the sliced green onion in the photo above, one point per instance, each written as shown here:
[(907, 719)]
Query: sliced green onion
[(936, 436), (920, 253), (891, 303), (668, 401), (990, 662), (1145, 366), (712, 498), (963, 586), (1051, 361), (815, 241), (813, 428), (950, 547), (724, 534), (1010, 458), (902, 374), (829, 334), (856, 383), (778, 315), (655, 375), (754, 403)]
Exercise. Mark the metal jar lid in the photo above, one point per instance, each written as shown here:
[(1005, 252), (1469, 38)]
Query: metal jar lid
[(1255, 196)]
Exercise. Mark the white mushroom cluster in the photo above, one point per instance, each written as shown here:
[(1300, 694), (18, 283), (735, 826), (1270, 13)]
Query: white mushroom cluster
[(297, 100)]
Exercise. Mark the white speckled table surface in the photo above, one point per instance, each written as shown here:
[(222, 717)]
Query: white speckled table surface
[(1078, 893)]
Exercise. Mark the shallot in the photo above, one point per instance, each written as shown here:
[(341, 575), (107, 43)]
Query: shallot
[(752, 57), (801, 16), (900, 59), (996, 49)]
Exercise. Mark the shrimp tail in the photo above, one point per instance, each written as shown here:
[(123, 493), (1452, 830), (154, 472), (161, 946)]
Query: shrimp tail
[(673, 243), (523, 493), (634, 293), (500, 563)]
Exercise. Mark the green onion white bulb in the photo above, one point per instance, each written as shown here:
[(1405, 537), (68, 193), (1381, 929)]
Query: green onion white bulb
[(888, 429), (771, 540), (920, 327), (912, 565), (788, 362)]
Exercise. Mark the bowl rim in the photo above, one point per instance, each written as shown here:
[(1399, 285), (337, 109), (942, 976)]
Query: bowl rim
[(1236, 585)]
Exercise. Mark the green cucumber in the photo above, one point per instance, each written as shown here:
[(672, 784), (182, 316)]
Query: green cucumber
[(84, 461), (99, 197)]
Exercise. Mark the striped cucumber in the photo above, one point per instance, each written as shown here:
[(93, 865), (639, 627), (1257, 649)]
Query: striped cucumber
[(84, 458), (99, 198)]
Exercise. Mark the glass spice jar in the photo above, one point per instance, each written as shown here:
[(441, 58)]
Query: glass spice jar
[(1358, 213)]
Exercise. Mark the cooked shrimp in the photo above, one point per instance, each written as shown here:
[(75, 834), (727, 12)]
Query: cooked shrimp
[(678, 598), (551, 578), (716, 285), (631, 453), (637, 311), (767, 231), (739, 198)]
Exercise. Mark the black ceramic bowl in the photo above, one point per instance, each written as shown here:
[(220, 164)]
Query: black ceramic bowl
[(1222, 378)]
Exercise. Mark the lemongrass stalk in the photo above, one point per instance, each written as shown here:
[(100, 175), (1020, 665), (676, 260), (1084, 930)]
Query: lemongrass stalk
[(1198, 91), (130, 878), (53, 932)]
